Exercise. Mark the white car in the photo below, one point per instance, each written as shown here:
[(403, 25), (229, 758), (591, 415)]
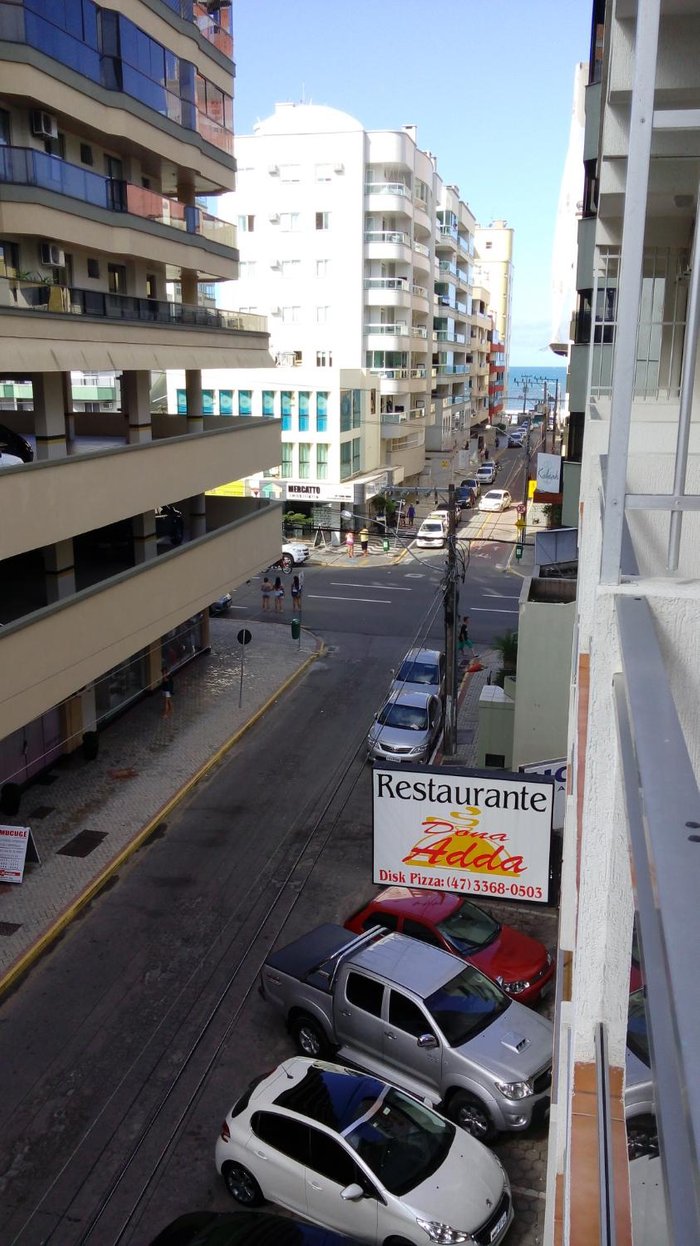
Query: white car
[(432, 533), (293, 553), (495, 500), (486, 473), (351, 1153)]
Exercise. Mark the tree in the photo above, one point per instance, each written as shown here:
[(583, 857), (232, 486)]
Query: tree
[(507, 645)]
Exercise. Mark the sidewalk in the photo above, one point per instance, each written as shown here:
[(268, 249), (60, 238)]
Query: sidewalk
[(87, 818)]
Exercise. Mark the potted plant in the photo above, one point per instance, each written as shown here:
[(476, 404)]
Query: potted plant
[(507, 646)]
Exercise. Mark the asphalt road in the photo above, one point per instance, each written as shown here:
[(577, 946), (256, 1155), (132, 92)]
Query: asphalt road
[(123, 1049)]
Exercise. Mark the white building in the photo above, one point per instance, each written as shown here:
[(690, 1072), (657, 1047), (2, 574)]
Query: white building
[(362, 258), (494, 267)]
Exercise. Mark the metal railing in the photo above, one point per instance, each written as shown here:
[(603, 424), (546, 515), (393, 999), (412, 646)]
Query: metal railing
[(386, 283), (387, 188), (387, 235)]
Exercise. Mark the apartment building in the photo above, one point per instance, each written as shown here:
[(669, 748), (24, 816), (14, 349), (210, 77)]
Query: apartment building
[(494, 266), (631, 828), (362, 257), (115, 120)]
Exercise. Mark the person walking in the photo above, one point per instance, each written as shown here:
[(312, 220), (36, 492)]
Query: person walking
[(463, 640), (278, 594), (296, 593), (411, 514), (266, 589), (364, 542), (167, 690), (350, 543)]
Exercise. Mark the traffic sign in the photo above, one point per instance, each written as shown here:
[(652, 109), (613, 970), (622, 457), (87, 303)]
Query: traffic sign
[(244, 636)]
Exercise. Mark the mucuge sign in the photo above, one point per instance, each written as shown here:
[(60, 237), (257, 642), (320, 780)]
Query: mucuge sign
[(463, 830)]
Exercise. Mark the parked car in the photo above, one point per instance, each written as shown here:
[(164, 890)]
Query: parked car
[(515, 439), (293, 554), (14, 444), (466, 497), (640, 1103), (520, 964), (422, 670), (486, 473), (246, 1228), (418, 1017), (432, 533), (471, 482), (363, 1157), (221, 605), (170, 523), (406, 728), (495, 500)]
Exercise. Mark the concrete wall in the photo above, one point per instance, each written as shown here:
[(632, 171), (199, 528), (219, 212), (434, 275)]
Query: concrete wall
[(496, 718), (545, 638)]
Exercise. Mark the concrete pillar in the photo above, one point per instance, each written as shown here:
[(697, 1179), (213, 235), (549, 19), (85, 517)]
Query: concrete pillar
[(49, 414), (144, 535), (136, 405), (189, 286), (59, 570), (68, 409), (193, 391), (198, 515)]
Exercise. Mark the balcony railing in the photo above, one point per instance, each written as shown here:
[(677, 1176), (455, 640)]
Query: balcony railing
[(444, 335), (212, 21), (446, 267), (449, 231), (387, 235), (450, 369), (26, 166), (391, 330), (421, 249), (390, 374), (387, 188), (420, 291), (27, 294), (386, 283)]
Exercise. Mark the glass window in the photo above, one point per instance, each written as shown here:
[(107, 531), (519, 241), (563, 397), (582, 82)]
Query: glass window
[(356, 455), (465, 1005), (323, 268), (321, 412), (287, 401), (4, 127), (323, 172), (322, 315), (365, 993), (246, 224), (246, 269), (418, 931), (290, 222), (400, 1139), (321, 461), (330, 1159), (469, 928), (291, 315), (286, 468), (345, 411), (290, 268), (324, 358), (245, 402), (182, 402), (345, 460), (207, 402), (304, 460), (304, 399), (289, 172), (225, 402), (356, 408), (268, 402), (323, 220), (288, 1136), (407, 1016)]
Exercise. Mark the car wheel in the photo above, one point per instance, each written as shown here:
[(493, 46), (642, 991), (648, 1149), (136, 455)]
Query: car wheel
[(309, 1038), (470, 1114), (242, 1185), (642, 1137), (397, 1241)]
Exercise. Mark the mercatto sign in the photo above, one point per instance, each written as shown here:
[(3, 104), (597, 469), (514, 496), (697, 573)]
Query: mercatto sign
[(470, 831)]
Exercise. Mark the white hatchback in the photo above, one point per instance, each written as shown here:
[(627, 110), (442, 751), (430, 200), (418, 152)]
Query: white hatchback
[(351, 1153), (495, 500)]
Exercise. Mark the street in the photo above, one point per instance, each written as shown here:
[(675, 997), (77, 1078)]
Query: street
[(123, 1049)]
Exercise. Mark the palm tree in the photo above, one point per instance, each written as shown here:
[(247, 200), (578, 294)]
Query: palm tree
[(507, 646)]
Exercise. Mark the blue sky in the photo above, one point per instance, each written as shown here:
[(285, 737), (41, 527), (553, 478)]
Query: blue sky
[(488, 85)]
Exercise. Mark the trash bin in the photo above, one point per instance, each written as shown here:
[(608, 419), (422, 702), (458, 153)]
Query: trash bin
[(296, 629)]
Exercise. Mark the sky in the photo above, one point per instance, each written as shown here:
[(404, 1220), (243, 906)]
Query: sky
[(489, 86)]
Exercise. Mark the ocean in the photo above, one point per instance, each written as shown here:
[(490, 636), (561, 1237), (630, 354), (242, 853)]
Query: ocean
[(535, 378)]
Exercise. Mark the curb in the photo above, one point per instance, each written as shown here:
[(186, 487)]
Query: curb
[(44, 941)]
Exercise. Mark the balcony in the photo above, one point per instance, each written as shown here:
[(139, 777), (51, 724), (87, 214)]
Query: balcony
[(387, 188), (387, 236), (445, 335), (448, 232), (26, 166), (386, 283)]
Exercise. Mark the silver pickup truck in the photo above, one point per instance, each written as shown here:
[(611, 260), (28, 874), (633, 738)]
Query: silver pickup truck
[(419, 1017)]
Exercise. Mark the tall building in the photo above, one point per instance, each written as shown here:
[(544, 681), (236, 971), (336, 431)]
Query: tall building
[(494, 263), (631, 837), (362, 258), (113, 124)]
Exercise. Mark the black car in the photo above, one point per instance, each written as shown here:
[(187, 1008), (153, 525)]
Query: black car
[(15, 443), (246, 1228)]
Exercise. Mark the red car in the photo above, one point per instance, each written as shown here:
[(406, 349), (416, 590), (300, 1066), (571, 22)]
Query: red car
[(521, 965)]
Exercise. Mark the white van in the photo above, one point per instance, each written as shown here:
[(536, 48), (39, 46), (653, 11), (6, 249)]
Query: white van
[(432, 533)]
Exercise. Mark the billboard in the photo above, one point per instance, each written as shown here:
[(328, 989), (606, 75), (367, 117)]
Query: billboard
[(478, 832)]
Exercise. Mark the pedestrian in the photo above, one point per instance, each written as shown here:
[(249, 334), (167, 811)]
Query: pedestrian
[(278, 594), (364, 542), (296, 593), (411, 512), (350, 543), (435, 496), (463, 640), (266, 590), (167, 690)]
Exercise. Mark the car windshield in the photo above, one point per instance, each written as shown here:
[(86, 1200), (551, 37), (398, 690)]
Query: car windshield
[(468, 928), (637, 1035), (418, 673), (407, 717), (494, 494), (466, 1005), (428, 528), (400, 1139)]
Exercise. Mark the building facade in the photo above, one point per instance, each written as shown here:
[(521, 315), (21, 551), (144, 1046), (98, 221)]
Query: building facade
[(114, 122), (494, 264)]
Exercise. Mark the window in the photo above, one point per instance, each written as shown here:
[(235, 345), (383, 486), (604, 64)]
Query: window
[(116, 276), (286, 467), (345, 411), (291, 315), (289, 1137), (304, 460), (323, 172), (386, 920), (304, 397), (246, 269), (289, 172), (345, 460), (324, 359), (182, 402), (322, 315), (290, 268), (323, 220), (330, 1159), (85, 153), (207, 402), (365, 993), (8, 259), (245, 402), (321, 461), (321, 412), (246, 224), (407, 1016), (323, 268), (93, 268), (287, 406), (268, 403), (356, 408), (4, 127), (356, 455), (225, 402), (418, 931), (290, 221)]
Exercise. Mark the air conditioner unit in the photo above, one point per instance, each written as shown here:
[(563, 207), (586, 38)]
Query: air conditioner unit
[(275, 311), (274, 218), (44, 124), (274, 170), (52, 254), (275, 264), (339, 168)]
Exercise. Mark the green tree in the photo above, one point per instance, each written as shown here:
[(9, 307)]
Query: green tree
[(507, 645)]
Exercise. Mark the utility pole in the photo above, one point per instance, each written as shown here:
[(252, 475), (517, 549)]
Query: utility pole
[(526, 386), (555, 414), (546, 416), (450, 603)]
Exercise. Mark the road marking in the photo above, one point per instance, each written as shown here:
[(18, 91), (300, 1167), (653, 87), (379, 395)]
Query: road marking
[(388, 588), (487, 610), (522, 1190), (376, 601)]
